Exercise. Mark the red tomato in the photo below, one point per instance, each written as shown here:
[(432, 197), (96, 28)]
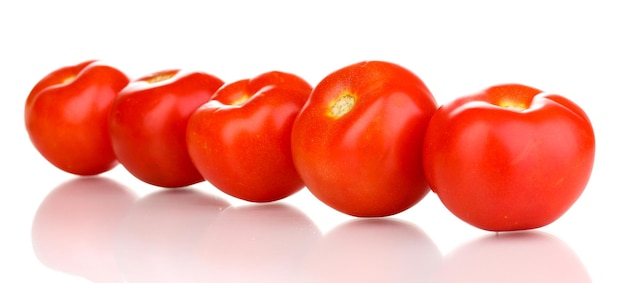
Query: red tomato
[(148, 125), (240, 140), (357, 142), (67, 114), (510, 157)]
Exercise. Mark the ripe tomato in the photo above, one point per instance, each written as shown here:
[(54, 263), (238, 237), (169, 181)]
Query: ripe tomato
[(67, 115), (241, 140), (148, 124), (357, 143), (510, 157)]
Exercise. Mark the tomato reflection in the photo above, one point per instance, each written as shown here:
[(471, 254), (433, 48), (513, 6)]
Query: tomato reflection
[(529, 256), (257, 243), (98, 229), (75, 226), (374, 250), (158, 239)]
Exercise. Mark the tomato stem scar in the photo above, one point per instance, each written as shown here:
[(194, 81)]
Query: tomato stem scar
[(241, 100), (513, 105), (159, 78), (342, 105), (69, 79)]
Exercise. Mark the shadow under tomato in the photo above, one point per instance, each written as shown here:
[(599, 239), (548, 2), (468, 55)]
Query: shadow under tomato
[(527, 256), (74, 228), (159, 237), (374, 250)]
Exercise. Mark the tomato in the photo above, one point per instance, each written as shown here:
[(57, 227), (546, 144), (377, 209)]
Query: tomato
[(148, 124), (67, 115), (357, 143), (510, 157), (240, 141)]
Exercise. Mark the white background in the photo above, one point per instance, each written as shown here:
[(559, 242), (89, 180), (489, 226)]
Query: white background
[(135, 232)]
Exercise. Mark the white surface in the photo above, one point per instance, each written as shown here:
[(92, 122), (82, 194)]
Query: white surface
[(457, 48)]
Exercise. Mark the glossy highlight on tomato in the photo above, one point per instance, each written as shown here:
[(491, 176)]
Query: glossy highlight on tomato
[(510, 157)]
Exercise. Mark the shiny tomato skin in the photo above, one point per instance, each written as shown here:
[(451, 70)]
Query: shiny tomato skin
[(510, 157), (148, 124), (357, 141), (67, 113), (241, 140)]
